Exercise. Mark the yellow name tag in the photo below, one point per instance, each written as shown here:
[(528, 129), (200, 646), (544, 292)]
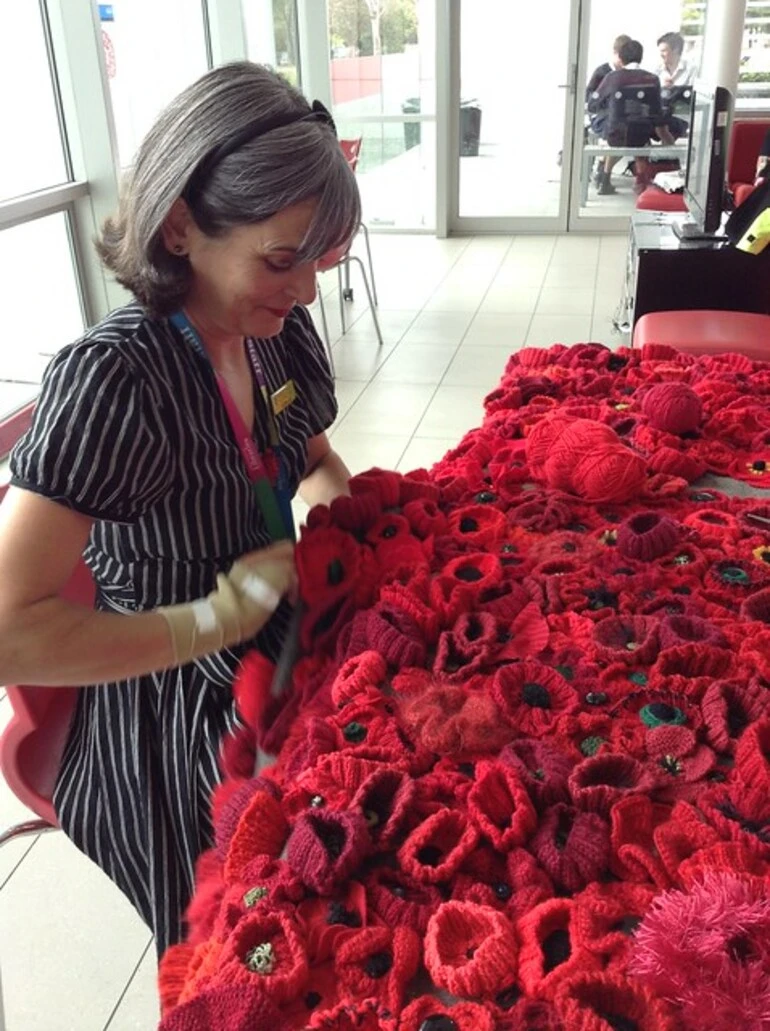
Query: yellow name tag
[(283, 396)]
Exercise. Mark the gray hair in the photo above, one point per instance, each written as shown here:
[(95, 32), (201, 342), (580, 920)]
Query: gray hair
[(269, 172)]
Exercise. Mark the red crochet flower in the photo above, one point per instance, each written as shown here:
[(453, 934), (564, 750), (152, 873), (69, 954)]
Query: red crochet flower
[(572, 847), (326, 847), (676, 754), (399, 901), (448, 719), (532, 697), (550, 950), (378, 963), (327, 922), (500, 807), (425, 1013), (264, 950), (471, 951), (599, 1002), (598, 782), (633, 857), (368, 1015), (606, 917), (434, 851), (227, 1007)]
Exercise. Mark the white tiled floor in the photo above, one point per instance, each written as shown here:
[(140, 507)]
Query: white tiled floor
[(74, 955)]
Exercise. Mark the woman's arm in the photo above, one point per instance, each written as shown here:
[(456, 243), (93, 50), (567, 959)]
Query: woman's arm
[(46, 640), (326, 475)]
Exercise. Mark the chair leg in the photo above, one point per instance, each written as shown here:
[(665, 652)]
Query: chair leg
[(21, 830), (372, 306), (327, 338), (371, 264), (341, 295)]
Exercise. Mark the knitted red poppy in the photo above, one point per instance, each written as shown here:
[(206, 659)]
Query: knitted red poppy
[(434, 851), (542, 767), (550, 950), (629, 639), (385, 798), (606, 917), (572, 847), (682, 835), (598, 782), (728, 709), (500, 807), (428, 1013), (261, 830), (266, 951), (682, 764), (532, 697), (378, 963), (368, 1015), (412, 599), (470, 950), (355, 514), (227, 1008), (391, 632), (606, 1002), (647, 535), (752, 760), (425, 518), (325, 847)]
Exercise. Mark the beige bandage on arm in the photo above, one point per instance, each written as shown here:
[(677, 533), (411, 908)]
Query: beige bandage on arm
[(235, 611)]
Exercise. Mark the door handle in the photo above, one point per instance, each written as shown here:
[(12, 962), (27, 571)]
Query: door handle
[(572, 84)]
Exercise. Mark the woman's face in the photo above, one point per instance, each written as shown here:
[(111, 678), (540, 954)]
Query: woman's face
[(246, 282)]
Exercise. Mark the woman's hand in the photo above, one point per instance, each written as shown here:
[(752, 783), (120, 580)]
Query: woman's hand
[(273, 565)]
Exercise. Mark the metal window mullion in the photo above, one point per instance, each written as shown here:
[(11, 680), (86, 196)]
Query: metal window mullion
[(31, 206), (76, 39), (313, 33), (225, 31)]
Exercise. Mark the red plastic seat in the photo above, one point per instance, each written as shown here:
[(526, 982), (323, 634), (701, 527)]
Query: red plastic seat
[(655, 199), (707, 332), (32, 744)]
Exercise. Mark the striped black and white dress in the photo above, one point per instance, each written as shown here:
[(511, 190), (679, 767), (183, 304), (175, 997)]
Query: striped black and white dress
[(130, 429)]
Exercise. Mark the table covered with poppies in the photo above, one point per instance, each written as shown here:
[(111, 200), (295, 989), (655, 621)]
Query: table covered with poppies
[(522, 775)]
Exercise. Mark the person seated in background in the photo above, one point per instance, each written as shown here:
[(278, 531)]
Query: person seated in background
[(609, 66), (673, 70), (676, 77), (621, 117), (763, 161)]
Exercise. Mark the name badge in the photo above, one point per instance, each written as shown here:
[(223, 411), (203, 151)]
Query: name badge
[(283, 396)]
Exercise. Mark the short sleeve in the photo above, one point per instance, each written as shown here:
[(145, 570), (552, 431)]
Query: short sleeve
[(311, 372), (95, 444)]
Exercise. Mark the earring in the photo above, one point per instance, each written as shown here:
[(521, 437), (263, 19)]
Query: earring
[(178, 249)]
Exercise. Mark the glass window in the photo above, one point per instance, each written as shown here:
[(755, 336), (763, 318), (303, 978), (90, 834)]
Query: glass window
[(754, 77), (609, 183), (382, 63), (29, 120), (32, 254), (152, 51), (272, 37)]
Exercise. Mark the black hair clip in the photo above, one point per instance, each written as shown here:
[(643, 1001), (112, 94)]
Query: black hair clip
[(322, 114)]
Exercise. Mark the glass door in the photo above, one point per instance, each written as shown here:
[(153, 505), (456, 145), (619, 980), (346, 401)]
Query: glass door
[(516, 105), (655, 45)]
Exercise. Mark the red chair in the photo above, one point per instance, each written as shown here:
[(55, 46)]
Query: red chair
[(745, 143), (341, 261), (707, 332), (32, 744), (655, 199)]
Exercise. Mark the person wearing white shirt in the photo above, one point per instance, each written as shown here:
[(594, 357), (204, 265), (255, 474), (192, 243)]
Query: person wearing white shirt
[(673, 70)]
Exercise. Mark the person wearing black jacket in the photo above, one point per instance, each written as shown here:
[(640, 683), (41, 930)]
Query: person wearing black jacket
[(604, 69)]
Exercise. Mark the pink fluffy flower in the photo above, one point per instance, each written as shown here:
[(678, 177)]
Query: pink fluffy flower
[(708, 950)]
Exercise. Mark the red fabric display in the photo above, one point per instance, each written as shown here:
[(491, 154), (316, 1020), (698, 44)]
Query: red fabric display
[(522, 774)]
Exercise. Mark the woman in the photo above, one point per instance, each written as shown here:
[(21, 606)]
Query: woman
[(165, 448)]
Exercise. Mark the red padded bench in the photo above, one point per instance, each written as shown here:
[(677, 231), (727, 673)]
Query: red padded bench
[(707, 332)]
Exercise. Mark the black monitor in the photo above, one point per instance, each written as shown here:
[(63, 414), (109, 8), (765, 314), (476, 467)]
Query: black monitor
[(704, 187)]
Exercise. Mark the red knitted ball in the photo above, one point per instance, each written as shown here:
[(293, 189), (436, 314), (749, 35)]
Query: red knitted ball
[(611, 474), (673, 408), (577, 440)]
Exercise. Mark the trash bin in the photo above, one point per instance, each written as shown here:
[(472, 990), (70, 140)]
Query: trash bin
[(411, 129), (470, 128)]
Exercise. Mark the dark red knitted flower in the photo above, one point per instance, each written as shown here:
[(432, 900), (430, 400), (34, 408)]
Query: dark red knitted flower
[(629, 639), (325, 847), (606, 917), (532, 697), (228, 1007), (573, 847), (542, 767), (598, 782), (729, 708)]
